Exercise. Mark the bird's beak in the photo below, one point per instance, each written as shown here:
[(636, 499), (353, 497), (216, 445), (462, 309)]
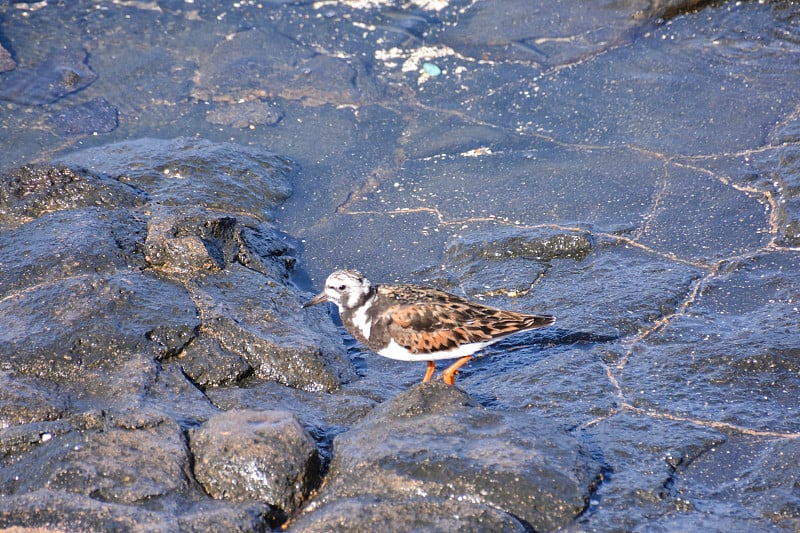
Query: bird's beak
[(318, 299)]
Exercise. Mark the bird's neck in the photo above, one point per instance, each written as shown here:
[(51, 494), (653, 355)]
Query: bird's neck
[(356, 319), (355, 303)]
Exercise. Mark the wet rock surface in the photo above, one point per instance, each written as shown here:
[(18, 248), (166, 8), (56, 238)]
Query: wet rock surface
[(434, 444), (82, 513), (117, 291), (243, 455), (377, 514), (32, 191), (78, 462), (630, 167)]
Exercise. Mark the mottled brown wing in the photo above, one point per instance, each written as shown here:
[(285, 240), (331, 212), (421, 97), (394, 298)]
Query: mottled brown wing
[(426, 328), (436, 326)]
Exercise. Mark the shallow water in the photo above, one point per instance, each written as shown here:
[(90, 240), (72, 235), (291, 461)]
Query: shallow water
[(661, 143)]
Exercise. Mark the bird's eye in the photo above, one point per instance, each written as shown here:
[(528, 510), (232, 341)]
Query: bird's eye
[(342, 287)]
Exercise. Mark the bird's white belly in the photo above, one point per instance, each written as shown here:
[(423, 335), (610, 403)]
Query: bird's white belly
[(395, 351)]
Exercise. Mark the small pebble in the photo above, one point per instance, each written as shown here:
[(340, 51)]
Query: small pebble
[(431, 70)]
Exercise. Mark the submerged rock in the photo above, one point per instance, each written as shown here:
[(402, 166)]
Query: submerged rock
[(742, 335), (237, 71), (94, 116), (64, 72), (245, 114)]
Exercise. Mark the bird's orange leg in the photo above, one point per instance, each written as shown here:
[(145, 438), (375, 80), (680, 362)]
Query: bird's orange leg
[(429, 372), (451, 370)]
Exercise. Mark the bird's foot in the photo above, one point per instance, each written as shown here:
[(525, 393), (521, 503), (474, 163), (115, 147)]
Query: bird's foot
[(450, 372)]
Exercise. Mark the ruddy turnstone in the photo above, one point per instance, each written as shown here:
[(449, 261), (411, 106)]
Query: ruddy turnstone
[(414, 323)]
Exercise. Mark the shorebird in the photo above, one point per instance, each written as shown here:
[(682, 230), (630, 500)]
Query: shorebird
[(416, 323)]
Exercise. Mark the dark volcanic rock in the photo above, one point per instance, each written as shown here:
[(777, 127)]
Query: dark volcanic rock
[(131, 279), (256, 455), (194, 172), (121, 465), (24, 400), (94, 116), (94, 258), (6, 62), (205, 230), (99, 242), (227, 517), (184, 245), (207, 364), (540, 244), (74, 512), (237, 273), (31, 191), (375, 514), (62, 73), (433, 443), (77, 330), (637, 177), (263, 323)]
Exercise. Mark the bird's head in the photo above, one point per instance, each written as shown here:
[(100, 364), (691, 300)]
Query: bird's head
[(346, 288)]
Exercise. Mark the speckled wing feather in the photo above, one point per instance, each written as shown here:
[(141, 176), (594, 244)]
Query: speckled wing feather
[(425, 320)]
